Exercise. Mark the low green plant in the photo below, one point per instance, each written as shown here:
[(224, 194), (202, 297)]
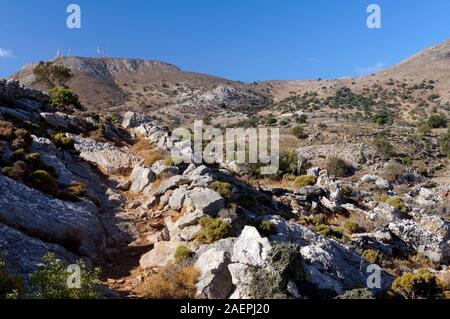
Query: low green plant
[(19, 171), (304, 181), (50, 281), (168, 161), (371, 256), (45, 182), (267, 228), (213, 229), (338, 167), (181, 254), (352, 227), (398, 204), (61, 140), (330, 232), (63, 96), (421, 285), (384, 148), (392, 171), (299, 132), (223, 188)]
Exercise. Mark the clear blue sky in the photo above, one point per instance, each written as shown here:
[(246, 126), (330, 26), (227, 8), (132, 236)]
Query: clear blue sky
[(237, 39)]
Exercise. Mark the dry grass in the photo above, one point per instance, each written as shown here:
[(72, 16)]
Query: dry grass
[(171, 282), (148, 152), (6, 130)]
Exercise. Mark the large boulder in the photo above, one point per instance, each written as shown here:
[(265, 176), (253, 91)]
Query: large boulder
[(141, 177), (251, 249), (377, 180), (72, 225), (215, 280), (133, 119), (23, 254), (161, 255), (110, 159), (206, 201)]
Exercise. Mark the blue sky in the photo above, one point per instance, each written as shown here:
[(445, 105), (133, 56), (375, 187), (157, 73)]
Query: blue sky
[(244, 40)]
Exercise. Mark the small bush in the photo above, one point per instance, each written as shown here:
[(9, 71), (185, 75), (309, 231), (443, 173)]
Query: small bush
[(384, 148), (352, 227), (423, 130), (422, 285), (168, 161), (50, 281), (11, 286), (371, 256), (24, 135), (437, 121), (19, 155), (445, 143), (73, 192), (299, 132), (18, 144), (43, 181), (172, 283), (331, 232), (338, 167), (398, 204), (392, 171), (267, 228), (63, 96), (304, 181), (61, 140), (34, 160), (213, 230), (6, 131), (19, 171), (223, 188), (181, 254)]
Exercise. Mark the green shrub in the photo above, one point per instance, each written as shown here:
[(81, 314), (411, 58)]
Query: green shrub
[(406, 161), (392, 171), (423, 130), (24, 135), (213, 230), (223, 188), (182, 253), (63, 96), (352, 227), (168, 161), (371, 256), (19, 171), (331, 232), (383, 118), (18, 144), (288, 163), (299, 132), (43, 181), (267, 228), (50, 281), (398, 204), (445, 143), (19, 155), (304, 181), (422, 285), (11, 286), (61, 140), (384, 148), (338, 167), (437, 121), (73, 192)]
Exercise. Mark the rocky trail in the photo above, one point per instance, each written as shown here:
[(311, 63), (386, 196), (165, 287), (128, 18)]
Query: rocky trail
[(159, 230)]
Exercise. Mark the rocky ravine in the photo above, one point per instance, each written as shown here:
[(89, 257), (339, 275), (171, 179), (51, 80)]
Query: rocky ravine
[(134, 216)]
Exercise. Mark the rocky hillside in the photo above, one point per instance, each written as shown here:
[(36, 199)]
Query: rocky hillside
[(120, 85), (83, 186)]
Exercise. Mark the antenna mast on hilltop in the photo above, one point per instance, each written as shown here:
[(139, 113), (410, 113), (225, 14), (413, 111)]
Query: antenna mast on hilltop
[(99, 51), (58, 53)]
